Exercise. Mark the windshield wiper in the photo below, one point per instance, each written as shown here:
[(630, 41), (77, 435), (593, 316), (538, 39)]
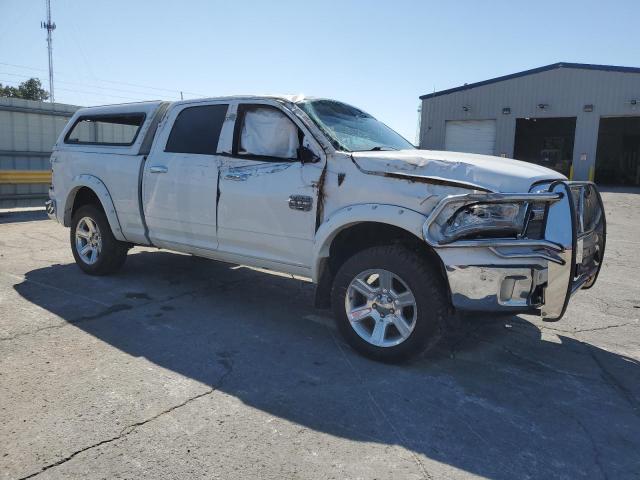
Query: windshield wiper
[(381, 148)]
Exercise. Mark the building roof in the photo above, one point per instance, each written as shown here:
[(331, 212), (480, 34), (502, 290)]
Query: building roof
[(553, 66)]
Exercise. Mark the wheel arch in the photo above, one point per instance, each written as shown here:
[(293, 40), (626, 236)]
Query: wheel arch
[(85, 190), (358, 227)]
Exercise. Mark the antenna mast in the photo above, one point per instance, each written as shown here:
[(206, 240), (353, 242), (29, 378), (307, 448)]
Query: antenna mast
[(49, 26)]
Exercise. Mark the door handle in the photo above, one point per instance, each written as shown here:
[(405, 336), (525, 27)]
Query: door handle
[(236, 177), (158, 169)]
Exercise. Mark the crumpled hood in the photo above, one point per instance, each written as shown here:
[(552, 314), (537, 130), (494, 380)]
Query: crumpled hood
[(491, 173)]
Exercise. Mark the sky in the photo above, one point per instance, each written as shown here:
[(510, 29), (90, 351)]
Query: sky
[(377, 55)]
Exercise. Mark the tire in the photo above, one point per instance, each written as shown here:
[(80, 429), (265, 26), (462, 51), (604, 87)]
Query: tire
[(110, 253), (422, 324)]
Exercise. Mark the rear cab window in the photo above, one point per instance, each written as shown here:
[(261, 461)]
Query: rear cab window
[(107, 129)]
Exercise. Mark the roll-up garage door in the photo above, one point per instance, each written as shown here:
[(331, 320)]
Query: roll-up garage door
[(471, 136)]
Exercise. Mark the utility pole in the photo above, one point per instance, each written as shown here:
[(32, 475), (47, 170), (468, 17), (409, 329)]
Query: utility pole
[(49, 26)]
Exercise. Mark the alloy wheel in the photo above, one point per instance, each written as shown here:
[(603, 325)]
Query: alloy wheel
[(88, 240), (381, 307)]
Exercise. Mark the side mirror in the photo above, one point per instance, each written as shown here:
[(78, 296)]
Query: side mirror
[(306, 155)]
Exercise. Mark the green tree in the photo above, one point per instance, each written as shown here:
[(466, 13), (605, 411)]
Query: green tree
[(8, 91), (29, 90)]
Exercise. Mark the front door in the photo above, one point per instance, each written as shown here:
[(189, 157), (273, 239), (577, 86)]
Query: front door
[(180, 179), (268, 197)]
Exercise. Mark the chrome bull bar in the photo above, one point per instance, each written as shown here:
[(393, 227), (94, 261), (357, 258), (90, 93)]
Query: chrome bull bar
[(584, 244), (567, 258)]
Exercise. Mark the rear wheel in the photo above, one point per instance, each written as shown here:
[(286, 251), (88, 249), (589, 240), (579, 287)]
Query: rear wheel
[(95, 249), (389, 303)]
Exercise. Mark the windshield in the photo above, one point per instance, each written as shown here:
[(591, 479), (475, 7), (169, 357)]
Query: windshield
[(351, 129)]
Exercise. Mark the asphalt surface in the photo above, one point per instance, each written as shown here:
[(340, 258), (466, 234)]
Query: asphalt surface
[(179, 367)]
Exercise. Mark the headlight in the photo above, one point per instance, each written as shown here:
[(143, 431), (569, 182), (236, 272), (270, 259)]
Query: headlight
[(485, 220)]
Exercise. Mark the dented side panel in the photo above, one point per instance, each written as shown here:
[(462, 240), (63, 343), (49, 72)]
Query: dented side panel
[(257, 216), (179, 190), (346, 185), (348, 196)]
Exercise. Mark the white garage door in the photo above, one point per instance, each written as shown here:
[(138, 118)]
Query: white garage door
[(471, 136)]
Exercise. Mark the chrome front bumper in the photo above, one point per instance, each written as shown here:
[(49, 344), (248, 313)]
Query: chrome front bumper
[(523, 274)]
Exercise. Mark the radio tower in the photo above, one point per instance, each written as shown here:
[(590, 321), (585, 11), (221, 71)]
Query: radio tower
[(49, 26)]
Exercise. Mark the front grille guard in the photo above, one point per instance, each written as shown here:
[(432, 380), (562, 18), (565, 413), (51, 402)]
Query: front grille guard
[(573, 244), (591, 233)]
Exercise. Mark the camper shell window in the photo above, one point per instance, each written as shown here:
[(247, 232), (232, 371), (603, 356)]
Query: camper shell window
[(113, 130)]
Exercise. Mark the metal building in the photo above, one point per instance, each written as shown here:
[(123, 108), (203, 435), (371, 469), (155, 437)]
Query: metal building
[(28, 131), (582, 120)]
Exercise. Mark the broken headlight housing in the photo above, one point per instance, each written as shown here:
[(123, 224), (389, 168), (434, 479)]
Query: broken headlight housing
[(486, 220)]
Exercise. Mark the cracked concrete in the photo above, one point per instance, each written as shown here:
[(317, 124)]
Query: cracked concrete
[(179, 367), (129, 428)]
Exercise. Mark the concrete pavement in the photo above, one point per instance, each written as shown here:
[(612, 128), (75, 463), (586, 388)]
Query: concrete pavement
[(179, 367)]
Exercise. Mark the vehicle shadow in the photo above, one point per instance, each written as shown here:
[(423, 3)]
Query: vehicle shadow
[(9, 216), (498, 398), (618, 189)]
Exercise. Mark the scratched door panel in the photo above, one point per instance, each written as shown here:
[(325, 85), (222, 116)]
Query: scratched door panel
[(255, 217), (180, 182), (180, 204)]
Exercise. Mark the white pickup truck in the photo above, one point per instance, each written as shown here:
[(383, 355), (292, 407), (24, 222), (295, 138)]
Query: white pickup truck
[(395, 238)]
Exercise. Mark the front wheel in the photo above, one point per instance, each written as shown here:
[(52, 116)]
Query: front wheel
[(389, 303), (95, 249)]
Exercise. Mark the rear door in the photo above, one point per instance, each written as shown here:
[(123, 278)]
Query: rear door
[(181, 177), (268, 197)]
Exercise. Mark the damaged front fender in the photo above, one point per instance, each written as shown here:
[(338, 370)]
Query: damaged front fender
[(401, 217)]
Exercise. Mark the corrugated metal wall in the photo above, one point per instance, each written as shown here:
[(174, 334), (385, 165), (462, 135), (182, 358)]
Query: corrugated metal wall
[(28, 131), (565, 91)]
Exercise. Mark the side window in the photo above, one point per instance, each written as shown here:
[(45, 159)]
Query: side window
[(105, 129), (197, 130), (266, 132)]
